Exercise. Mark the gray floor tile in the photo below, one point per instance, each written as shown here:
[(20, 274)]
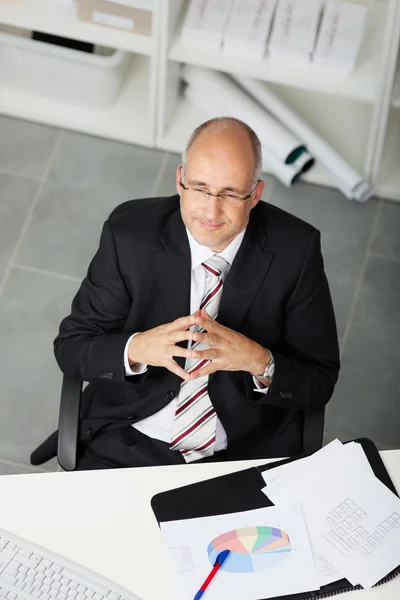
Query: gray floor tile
[(16, 196), (387, 237), (367, 398), (345, 227), (25, 147), (102, 166), (31, 308), (89, 178)]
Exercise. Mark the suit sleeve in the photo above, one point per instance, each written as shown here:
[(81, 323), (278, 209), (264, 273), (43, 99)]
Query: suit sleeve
[(91, 340), (307, 361)]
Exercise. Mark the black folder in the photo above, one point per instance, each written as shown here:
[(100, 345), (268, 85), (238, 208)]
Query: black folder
[(240, 491)]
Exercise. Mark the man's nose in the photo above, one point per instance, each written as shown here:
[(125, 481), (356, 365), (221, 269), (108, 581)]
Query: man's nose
[(213, 207)]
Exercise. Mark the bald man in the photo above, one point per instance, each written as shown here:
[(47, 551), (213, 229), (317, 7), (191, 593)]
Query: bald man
[(204, 325)]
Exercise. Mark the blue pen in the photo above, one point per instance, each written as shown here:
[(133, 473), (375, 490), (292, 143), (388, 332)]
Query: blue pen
[(221, 558)]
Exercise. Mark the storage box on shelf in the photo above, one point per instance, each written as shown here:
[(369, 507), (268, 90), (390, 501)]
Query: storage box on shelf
[(342, 111), (121, 15)]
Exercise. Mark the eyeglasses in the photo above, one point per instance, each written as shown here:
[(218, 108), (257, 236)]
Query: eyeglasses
[(228, 198)]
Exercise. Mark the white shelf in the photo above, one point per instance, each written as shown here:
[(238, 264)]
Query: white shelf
[(346, 129), (360, 85), (388, 182), (60, 18), (129, 120)]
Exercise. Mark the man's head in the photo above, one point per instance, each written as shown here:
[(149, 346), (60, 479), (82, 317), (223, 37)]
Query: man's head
[(223, 156)]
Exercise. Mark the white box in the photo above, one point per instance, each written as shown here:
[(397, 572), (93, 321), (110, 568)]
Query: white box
[(205, 23), (62, 74), (341, 34), (295, 30), (141, 4), (248, 28)]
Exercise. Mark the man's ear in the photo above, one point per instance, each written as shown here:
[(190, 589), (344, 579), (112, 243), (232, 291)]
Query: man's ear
[(178, 176)]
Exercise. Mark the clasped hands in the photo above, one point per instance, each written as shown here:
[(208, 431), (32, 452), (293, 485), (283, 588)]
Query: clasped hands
[(228, 350)]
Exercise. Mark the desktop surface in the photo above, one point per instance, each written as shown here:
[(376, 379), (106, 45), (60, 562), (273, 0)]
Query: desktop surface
[(104, 521)]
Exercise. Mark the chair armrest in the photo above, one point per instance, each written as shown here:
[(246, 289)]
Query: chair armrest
[(313, 430), (71, 393)]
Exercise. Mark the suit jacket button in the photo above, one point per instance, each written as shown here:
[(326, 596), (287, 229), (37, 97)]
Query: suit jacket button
[(110, 375), (170, 395), (88, 432), (284, 394)]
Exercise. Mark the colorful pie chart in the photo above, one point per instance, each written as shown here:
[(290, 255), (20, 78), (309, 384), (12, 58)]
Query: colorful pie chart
[(252, 549)]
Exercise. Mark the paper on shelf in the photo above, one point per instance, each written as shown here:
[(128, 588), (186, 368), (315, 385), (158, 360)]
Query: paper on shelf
[(270, 554), (205, 23), (351, 183), (351, 516)]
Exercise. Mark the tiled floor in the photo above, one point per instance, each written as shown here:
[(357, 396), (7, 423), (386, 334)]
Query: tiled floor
[(56, 189)]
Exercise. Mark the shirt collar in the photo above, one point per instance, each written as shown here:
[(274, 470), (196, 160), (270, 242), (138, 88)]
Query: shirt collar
[(201, 253)]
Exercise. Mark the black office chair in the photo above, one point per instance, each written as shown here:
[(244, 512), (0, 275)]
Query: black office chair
[(63, 443)]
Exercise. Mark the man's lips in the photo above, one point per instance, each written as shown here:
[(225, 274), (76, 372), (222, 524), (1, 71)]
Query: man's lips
[(210, 226)]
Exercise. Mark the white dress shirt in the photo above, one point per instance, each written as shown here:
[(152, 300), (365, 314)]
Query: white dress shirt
[(159, 426)]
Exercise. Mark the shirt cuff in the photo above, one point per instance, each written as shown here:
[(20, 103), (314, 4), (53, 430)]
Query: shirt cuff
[(137, 368), (259, 386)]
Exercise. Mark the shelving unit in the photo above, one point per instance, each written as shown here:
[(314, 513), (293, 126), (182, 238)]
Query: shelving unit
[(132, 118), (358, 114)]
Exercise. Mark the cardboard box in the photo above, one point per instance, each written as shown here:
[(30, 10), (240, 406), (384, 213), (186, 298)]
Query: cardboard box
[(341, 34), (249, 27), (101, 12), (295, 30), (205, 23)]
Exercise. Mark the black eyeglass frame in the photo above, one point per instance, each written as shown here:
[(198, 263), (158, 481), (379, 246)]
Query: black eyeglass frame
[(194, 189)]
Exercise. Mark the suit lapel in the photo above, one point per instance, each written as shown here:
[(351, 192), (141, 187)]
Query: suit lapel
[(246, 274), (172, 267)]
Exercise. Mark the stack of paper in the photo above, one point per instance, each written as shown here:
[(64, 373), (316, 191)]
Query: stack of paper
[(352, 518)]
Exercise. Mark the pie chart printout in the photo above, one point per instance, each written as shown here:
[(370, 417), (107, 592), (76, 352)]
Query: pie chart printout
[(252, 549)]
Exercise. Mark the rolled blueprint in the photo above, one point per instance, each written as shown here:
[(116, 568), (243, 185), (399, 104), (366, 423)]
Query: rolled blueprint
[(275, 137), (351, 183), (209, 105)]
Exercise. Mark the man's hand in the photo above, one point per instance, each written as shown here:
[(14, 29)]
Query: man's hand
[(157, 347), (229, 350)]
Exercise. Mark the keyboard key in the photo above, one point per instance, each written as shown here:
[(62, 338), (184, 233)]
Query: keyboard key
[(32, 572), (45, 597), (36, 584), (29, 580), (57, 568), (53, 593), (72, 593), (62, 596), (89, 593), (40, 578), (113, 596), (80, 597), (45, 589), (11, 596), (3, 592), (56, 577), (41, 568), (49, 573), (36, 593), (3, 542), (28, 589), (36, 559), (20, 585), (11, 546), (25, 553), (64, 589), (8, 578), (73, 585), (65, 580), (23, 569), (97, 596), (48, 580), (81, 589), (55, 585), (46, 563)]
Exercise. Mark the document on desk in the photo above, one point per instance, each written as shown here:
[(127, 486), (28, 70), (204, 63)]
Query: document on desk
[(270, 554), (352, 518)]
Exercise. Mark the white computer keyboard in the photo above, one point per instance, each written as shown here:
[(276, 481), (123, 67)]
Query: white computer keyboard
[(29, 572)]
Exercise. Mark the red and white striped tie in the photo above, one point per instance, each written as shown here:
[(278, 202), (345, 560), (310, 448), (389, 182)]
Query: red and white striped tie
[(195, 417)]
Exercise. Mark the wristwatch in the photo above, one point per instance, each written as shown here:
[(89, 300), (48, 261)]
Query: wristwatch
[(269, 369)]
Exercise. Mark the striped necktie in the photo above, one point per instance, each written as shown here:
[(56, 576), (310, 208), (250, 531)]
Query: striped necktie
[(195, 417)]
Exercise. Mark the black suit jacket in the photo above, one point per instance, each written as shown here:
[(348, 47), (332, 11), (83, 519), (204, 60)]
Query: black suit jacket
[(276, 293)]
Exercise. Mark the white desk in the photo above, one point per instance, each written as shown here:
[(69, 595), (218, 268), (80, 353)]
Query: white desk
[(103, 519)]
